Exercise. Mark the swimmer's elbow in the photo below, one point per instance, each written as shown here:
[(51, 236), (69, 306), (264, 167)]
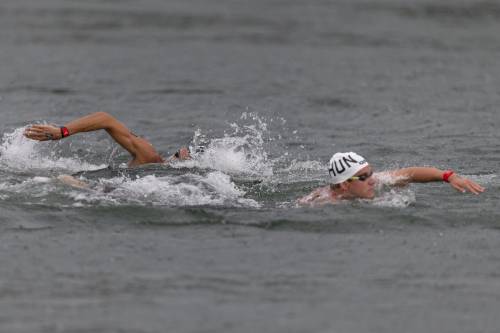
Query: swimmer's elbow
[(105, 119), (98, 120)]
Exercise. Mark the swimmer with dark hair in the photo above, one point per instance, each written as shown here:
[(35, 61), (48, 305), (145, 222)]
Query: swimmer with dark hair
[(353, 178)]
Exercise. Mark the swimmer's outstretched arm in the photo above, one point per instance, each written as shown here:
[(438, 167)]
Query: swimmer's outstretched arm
[(141, 150), (428, 174)]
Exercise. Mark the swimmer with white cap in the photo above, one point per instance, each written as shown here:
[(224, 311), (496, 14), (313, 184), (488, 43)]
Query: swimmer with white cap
[(353, 178)]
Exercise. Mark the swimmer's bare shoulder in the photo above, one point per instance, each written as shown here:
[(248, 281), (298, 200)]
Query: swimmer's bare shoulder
[(318, 197)]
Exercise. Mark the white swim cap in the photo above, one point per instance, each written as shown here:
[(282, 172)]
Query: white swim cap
[(345, 165)]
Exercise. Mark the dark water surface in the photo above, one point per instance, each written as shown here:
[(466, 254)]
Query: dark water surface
[(270, 90)]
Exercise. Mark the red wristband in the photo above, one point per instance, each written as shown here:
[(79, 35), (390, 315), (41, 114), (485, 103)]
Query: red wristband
[(447, 175), (64, 132)]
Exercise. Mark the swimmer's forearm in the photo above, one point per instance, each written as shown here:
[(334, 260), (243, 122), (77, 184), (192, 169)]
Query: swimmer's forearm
[(419, 174), (92, 122), (119, 132), (426, 174), (141, 150)]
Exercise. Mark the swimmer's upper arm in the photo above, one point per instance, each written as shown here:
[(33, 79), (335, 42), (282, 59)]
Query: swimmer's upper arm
[(102, 120), (122, 135), (138, 147), (141, 149)]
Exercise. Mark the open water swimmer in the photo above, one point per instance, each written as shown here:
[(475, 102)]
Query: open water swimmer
[(353, 178), (142, 150)]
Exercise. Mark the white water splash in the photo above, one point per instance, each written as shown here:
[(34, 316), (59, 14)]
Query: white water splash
[(306, 166), (300, 171), (395, 198), (36, 187), (214, 189), (19, 153), (240, 152)]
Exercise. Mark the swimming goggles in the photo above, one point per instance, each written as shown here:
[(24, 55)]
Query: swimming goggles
[(362, 177)]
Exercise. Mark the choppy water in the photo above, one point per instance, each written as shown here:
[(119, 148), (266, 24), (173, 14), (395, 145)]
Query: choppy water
[(269, 89)]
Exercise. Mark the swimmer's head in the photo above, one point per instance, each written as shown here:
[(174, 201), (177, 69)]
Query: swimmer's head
[(351, 176), (343, 166)]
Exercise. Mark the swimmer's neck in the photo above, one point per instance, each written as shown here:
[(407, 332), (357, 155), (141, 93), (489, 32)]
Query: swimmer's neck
[(135, 163), (182, 154)]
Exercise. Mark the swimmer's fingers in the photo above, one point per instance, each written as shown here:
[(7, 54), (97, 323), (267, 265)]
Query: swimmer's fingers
[(42, 132), (458, 188), (34, 134), (463, 185), (473, 187)]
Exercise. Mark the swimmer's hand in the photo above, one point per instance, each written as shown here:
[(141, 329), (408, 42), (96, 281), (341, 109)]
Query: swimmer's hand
[(43, 132), (463, 185), (72, 181)]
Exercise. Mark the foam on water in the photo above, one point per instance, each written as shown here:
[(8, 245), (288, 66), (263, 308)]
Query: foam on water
[(36, 187), (240, 151), (301, 166), (17, 153), (213, 189), (300, 171), (395, 198)]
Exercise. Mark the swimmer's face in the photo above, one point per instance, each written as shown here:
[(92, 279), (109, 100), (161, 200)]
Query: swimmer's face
[(364, 186)]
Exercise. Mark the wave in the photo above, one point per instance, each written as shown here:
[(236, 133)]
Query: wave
[(239, 152), (213, 189), (17, 153), (395, 198)]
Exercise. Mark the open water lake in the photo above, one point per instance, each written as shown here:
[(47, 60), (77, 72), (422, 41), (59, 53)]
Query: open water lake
[(270, 89)]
